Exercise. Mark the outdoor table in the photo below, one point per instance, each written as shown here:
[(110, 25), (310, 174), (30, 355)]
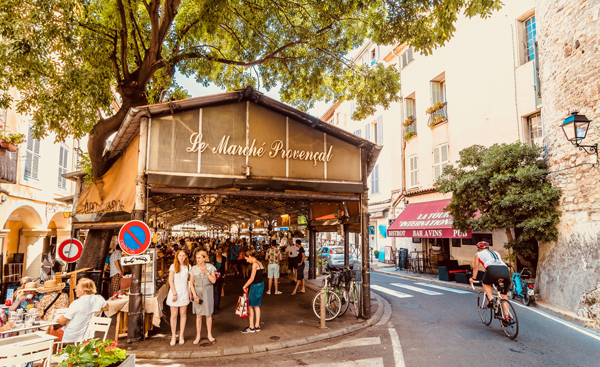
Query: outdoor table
[(28, 329), (152, 307), (73, 276)]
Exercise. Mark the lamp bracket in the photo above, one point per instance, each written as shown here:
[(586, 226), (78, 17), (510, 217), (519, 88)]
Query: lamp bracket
[(593, 149)]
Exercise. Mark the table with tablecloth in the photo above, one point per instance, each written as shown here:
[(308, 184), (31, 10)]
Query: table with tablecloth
[(153, 307)]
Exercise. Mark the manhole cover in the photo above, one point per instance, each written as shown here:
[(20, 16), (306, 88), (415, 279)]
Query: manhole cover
[(275, 337)]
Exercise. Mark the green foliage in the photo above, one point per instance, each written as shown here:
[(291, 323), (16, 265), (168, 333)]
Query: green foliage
[(70, 59), (409, 135), (376, 253), (506, 184), (85, 164), (92, 353), (13, 138)]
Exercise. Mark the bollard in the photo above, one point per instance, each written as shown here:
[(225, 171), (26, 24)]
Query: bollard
[(323, 315)]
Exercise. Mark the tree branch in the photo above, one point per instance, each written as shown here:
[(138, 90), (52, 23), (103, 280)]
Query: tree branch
[(123, 34)]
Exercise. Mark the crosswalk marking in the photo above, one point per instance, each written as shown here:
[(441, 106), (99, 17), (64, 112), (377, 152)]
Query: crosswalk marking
[(347, 343), (454, 290), (417, 289), (371, 362), (398, 355), (390, 292)]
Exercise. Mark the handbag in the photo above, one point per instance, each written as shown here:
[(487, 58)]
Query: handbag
[(57, 331), (242, 306), (241, 257)]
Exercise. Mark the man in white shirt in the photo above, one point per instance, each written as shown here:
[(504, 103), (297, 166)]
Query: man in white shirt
[(80, 312), (293, 260)]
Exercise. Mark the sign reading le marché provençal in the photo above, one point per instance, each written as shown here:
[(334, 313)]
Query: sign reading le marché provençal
[(228, 140)]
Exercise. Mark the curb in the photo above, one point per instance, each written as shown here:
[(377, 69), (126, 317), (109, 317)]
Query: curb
[(270, 346), (542, 306)]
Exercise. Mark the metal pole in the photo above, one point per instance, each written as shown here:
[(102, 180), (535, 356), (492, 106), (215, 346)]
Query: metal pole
[(323, 314), (364, 219), (346, 246), (135, 323), (312, 254)]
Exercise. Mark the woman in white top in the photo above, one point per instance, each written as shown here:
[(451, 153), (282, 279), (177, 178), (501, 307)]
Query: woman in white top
[(179, 294)]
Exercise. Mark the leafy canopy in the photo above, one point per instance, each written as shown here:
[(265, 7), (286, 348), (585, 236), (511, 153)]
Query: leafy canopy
[(506, 185), (70, 59)]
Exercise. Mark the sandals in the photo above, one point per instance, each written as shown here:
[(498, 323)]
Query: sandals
[(197, 340), (172, 342), (212, 340), (181, 341)]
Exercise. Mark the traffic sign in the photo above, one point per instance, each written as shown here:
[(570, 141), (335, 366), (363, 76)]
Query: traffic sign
[(136, 260), (70, 250), (134, 237)]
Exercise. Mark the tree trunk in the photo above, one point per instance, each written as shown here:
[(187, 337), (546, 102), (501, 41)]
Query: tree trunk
[(95, 249)]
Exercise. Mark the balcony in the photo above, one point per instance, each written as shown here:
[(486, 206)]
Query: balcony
[(438, 114), (8, 165)]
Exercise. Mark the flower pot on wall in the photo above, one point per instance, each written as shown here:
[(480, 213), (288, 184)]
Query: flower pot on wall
[(9, 146)]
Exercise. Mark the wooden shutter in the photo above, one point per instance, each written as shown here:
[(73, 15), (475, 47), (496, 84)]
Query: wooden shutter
[(380, 130), (368, 131), (436, 163), (60, 166)]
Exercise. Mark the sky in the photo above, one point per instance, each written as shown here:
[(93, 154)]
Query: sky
[(197, 90)]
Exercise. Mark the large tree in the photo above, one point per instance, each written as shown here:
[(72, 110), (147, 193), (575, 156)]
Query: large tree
[(504, 187)]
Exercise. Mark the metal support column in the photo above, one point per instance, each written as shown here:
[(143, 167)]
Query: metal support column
[(346, 246), (312, 254), (135, 324), (364, 235)]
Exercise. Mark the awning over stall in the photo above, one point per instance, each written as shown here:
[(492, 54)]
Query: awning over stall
[(426, 220)]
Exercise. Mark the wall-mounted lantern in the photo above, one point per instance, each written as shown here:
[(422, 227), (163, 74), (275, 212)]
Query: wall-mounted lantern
[(575, 128)]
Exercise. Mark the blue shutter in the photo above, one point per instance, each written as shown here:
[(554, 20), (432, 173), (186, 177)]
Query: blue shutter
[(380, 130)]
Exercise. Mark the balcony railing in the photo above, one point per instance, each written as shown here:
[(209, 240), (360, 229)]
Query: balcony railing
[(8, 166), (439, 116)]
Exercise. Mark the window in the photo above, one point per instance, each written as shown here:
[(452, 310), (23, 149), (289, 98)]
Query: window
[(407, 57), (357, 132), (440, 160), (32, 156), (375, 180), (352, 106), (337, 118), (63, 158), (530, 37), (534, 127), (409, 104), (379, 130), (438, 92), (374, 56), (413, 165), (77, 155), (368, 131)]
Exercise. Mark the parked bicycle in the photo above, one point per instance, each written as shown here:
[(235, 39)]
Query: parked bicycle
[(522, 288), (333, 304), (340, 283), (500, 309)]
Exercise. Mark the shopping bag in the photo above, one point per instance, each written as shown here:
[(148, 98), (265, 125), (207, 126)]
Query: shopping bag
[(242, 306)]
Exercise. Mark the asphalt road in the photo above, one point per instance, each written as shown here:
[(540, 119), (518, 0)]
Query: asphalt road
[(434, 327)]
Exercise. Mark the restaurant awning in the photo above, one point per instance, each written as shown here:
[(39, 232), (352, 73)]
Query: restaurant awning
[(426, 220)]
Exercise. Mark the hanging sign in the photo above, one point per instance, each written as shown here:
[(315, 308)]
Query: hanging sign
[(70, 250), (134, 237), (135, 260)]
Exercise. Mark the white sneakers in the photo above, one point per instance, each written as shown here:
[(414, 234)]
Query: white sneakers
[(276, 292)]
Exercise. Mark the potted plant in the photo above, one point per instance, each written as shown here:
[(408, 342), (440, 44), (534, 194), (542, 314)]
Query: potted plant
[(409, 135), (321, 263), (409, 121), (436, 107), (95, 352), (10, 141)]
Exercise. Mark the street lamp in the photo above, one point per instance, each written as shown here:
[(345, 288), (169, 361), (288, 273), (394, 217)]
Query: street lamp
[(575, 128)]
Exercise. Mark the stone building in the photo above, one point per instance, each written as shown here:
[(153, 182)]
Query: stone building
[(569, 53)]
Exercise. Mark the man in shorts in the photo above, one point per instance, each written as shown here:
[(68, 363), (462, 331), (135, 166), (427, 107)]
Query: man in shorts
[(300, 259), (273, 256), (293, 260)]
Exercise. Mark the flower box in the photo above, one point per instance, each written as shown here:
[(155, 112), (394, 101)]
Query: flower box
[(8, 146), (409, 135)]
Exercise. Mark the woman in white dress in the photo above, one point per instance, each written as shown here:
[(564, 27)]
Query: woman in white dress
[(179, 294)]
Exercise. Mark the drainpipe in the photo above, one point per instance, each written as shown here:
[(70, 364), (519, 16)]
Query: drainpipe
[(403, 149)]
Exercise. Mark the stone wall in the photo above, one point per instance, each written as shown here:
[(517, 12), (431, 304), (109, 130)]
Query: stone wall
[(568, 34)]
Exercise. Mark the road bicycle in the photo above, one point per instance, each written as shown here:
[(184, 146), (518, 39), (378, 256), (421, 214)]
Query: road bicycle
[(333, 304), (508, 319)]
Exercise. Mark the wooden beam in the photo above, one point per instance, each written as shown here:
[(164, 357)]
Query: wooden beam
[(253, 193)]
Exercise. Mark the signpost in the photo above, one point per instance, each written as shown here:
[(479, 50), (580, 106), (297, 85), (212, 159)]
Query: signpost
[(134, 237), (70, 250), (135, 260)]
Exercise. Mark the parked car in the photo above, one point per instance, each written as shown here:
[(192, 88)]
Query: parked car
[(334, 255)]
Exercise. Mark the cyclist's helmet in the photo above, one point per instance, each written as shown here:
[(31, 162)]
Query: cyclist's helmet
[(483, 245)]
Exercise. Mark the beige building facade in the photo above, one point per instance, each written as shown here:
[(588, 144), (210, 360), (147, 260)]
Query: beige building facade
[(32, 220)]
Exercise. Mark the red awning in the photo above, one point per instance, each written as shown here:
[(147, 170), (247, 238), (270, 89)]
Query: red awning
[(426, 220)]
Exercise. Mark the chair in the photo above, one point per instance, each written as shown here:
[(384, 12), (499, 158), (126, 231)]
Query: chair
[(28, 352), (97, 324)]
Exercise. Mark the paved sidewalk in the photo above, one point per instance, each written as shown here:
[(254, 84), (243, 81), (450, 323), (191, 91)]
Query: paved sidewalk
[(286, 321), (432, 278)]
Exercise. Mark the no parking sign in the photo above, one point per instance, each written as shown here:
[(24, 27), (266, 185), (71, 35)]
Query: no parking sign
[(134, 237)]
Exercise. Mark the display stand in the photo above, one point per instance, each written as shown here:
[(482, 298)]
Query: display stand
[(73, 281)]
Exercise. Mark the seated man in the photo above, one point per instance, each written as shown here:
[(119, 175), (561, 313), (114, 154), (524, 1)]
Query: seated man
[(79, 313), (28, 295)]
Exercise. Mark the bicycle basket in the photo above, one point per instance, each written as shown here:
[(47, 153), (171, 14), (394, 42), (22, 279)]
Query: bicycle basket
[(357, 275)]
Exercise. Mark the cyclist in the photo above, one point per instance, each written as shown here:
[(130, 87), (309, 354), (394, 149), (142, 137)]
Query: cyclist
[(494, 269)]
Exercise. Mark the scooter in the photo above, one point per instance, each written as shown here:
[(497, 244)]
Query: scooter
[(521, 288)]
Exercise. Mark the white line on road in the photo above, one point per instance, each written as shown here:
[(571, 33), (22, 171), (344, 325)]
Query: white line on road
[(558, 320), (398, 356), (371, 362), (390, 292), (347, 343), (417, 289), (444, 288)]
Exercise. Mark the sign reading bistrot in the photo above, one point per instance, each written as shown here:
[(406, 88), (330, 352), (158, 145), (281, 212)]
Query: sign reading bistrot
[(134, 237)]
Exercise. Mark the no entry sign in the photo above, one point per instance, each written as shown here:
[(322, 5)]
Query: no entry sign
[(70, 250), (134, 237)]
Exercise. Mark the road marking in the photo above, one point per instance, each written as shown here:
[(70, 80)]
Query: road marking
[(444, 288), (398, 356), (371, 362), (347, 344), (417, 289), (558, 320), (390, 292)]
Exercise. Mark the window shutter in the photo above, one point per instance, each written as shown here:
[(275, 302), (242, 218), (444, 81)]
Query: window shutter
[(28, 163), (436, 155), (436, 93), (35, 166), (30, 141), (409, 56), (368, 131), (380, 130), (376, 52), (404, 62), (444, 153)]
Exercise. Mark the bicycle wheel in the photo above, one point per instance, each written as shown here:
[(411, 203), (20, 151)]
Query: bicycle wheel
[(354, 297), (332, 305), (344, 298), (485, 313), (509, 323)]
